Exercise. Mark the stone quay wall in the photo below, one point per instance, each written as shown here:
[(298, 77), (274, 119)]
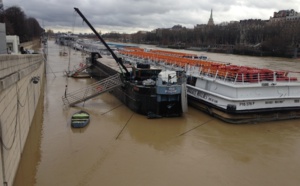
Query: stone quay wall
[(21, 85)]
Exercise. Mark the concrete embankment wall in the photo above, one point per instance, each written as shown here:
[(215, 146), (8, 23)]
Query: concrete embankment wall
[(19, 96)]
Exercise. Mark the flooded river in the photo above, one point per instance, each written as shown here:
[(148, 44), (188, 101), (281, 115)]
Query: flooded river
[(120, 147)]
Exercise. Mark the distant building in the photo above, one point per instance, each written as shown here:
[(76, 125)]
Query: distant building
[(293, 15), (200, 26), (285, 15), (211, 20), (253, 22), (177, 27)]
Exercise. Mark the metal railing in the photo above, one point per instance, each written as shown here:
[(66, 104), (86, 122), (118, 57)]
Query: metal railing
[(77, 71), (93, 90)]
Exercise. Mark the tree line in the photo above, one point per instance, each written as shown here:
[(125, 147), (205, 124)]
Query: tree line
[(250, 37), (17, 23)]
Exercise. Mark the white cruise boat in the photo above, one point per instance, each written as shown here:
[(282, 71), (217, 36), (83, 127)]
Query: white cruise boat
[(254, 95), (235, 94)]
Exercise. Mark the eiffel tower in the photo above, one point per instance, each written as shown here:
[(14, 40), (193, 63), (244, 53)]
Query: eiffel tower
[(210, 21)]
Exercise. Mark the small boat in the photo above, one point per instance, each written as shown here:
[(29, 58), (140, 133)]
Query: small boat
[(80, 119)]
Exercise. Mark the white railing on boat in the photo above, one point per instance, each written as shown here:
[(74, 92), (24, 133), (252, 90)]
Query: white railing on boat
[(246, 76)]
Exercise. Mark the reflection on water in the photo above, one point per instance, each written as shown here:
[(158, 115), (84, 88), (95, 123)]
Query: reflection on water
[(120, 147)]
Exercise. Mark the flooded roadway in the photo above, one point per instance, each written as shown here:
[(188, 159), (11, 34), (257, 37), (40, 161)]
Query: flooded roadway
[(120, 147)]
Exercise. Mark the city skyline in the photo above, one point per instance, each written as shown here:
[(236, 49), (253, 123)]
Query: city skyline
[(130, 16)]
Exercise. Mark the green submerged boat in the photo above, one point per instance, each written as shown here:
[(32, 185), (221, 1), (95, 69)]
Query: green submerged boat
[(80, 119)]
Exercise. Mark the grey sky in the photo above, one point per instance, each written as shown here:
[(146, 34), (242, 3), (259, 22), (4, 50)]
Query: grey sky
[(133, 15)]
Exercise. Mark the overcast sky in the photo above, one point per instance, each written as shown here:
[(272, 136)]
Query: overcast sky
[(133, 15)]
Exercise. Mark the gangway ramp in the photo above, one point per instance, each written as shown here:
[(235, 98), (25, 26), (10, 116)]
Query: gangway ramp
[(93, 90), (77, 71)]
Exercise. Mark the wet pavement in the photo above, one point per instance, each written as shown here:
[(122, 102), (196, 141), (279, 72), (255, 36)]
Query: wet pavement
[(120, 147)]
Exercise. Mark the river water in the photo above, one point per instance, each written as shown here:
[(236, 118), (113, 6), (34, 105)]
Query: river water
[(120, 147)]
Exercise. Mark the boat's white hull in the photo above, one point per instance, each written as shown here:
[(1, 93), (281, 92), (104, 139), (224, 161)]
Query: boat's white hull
[(245, 105)]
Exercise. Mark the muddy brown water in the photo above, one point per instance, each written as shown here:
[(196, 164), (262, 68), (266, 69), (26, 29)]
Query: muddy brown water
[(120, 147)]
